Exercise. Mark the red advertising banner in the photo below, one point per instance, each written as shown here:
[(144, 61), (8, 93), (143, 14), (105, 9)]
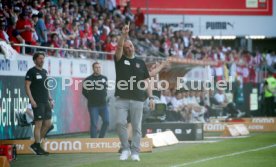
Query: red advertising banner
[(205, 7)]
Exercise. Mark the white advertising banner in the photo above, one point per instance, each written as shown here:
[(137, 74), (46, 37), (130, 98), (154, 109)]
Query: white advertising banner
[(216, 25), (56, 67), (220, 25)]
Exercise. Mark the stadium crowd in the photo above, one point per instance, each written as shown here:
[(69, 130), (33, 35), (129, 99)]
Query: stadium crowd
[(95, 24)]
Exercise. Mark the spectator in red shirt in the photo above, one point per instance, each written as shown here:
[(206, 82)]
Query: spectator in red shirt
[(3, 35), (111, 46), (26, 29), (49, 23), (35, 5), (55, 43), (139, 18), (41, 4), (103, 36), (14, 36), (53, 11), (86, 36)]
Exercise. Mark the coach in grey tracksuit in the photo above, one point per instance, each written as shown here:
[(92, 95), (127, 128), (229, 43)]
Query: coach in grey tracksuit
[(132, 78)]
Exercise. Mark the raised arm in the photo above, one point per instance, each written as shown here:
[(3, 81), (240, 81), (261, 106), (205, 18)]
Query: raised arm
[(119, 50)]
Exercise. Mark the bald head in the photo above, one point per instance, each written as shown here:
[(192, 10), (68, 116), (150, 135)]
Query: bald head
[(128, 49)]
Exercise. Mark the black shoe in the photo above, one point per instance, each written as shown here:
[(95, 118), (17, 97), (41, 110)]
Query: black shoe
[(44, 152), (35, 148)]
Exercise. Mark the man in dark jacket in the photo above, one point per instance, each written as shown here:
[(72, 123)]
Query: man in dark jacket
[(95, 90)]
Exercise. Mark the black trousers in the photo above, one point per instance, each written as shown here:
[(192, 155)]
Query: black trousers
[(269, 106)]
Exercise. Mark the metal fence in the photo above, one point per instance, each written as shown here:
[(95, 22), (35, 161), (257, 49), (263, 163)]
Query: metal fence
[(78, 53)]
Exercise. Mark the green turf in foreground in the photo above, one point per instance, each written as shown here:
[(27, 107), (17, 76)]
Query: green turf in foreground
[(172, 155)]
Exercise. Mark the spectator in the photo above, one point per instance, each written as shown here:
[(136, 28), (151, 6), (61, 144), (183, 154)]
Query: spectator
[(14, 36), (15, 13), (155, 27), (103, 36), (106, 25), (228, 108), (55, 43), (163, 97), (111, 46), (49, 23), (53, 12), (3, 35), (128, 14), (97, 38), (139, 18), (40, 28), (87, 38), (221, 98), (177, 101), (67, 34), (35, 5), (26, 29), (268, 58), (111, 5), (57, 29), (76, 35)]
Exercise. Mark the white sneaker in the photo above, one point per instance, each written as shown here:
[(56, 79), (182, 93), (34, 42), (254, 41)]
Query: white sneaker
[(124, 155), (135, 157)]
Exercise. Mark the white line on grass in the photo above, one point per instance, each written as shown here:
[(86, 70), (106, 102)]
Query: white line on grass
[(226, 137), (223, 156), (198, 142)]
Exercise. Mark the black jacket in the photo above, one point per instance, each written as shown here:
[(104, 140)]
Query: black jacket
[(94, 88)]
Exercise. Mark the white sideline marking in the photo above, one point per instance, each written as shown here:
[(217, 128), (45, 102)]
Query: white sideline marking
[(225, 137), (198, 142), (226, 155)]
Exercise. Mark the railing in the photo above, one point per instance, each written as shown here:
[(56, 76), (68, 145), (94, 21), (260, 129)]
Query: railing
[(261, 70), (78, 53)]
